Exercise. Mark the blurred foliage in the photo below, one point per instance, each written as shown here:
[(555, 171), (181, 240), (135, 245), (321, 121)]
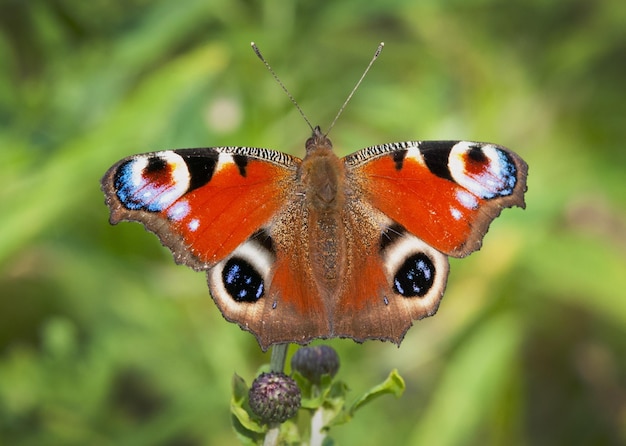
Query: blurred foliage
[(103, 340)]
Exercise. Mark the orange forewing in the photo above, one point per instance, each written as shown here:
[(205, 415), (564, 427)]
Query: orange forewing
[(419, 200), (231, 207)]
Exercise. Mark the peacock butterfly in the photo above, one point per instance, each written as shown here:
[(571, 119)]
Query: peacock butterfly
[(320, 247)]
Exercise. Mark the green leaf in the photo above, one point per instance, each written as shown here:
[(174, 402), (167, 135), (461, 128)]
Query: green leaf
[(290, 434), (243, 423), (240, 388), (336, 395), (311, 399), (328, 392), (245, 436), (394, 384)]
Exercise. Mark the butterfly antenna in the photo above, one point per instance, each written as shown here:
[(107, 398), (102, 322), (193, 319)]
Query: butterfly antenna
[(376, 54), (267, 65)]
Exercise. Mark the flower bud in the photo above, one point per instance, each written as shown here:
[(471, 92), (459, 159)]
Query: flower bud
[(314, 362), (274, 397)]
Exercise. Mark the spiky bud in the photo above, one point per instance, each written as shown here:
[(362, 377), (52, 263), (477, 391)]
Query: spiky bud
[(314, 362), (274, 397)]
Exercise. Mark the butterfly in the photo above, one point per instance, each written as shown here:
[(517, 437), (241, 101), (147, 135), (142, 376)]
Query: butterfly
[(297, 249)]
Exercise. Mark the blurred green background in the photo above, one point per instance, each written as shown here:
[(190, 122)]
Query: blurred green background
[(103, 340)]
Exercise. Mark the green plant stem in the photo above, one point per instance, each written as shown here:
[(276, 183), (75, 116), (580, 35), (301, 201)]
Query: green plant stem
[(277, 364), (279, 354)]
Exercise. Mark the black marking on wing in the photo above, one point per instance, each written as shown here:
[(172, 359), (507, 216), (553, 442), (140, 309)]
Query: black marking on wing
[(367, 154), (476, 154), (201, 164), (263, 238), (155, 164), (390, 235), (241, 161), (436, 155), (415, 277), (398, 158)]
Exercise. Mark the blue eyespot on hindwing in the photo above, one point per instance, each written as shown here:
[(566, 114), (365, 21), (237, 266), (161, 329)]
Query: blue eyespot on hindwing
[(415, 277), (242, 282)]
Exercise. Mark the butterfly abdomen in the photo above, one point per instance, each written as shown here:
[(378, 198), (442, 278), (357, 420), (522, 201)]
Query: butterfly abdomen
[(322, 178)]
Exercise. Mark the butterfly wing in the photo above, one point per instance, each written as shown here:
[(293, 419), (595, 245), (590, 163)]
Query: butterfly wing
[(201, 203), (392, 278), (275, 296), (220, 209), (444, 192), (413, 204)]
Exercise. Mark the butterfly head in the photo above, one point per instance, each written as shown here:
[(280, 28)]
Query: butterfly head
[(318, 142)]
